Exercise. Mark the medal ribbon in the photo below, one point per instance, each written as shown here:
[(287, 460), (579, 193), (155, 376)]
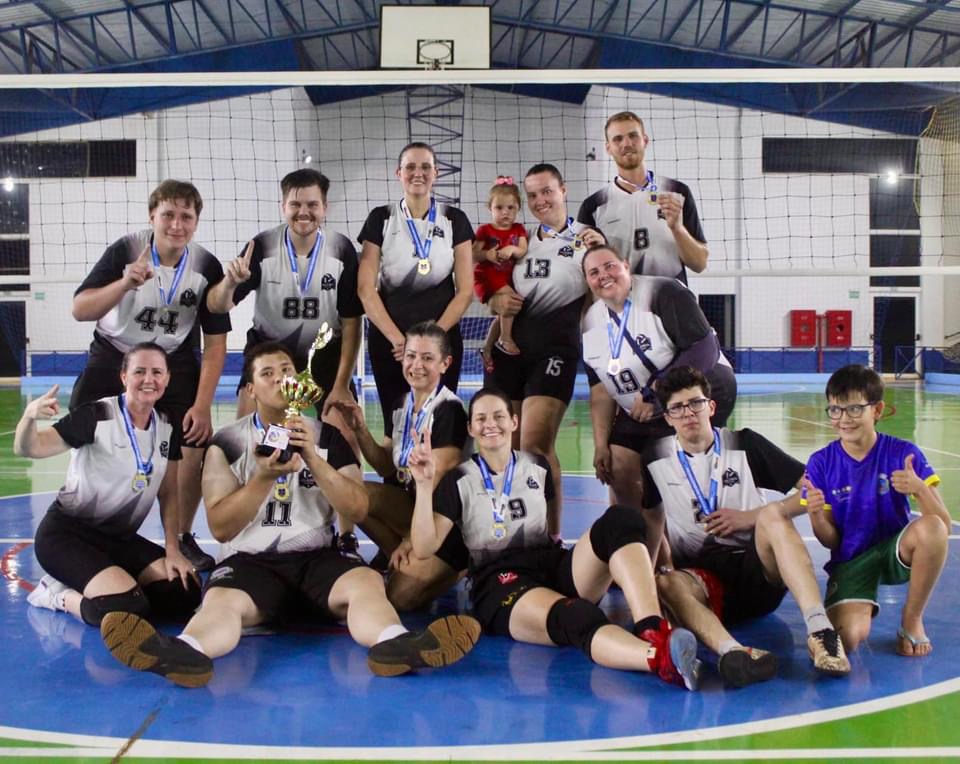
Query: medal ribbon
[(567, 234), (706, 507), (631, 341), (144, 466), (304, 285), (166, 298), (422, 247), (499, 502), (648, 185), (615, 336), (406, 445)]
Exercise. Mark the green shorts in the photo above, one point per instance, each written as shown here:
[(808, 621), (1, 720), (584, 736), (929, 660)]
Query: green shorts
[(857, 580)]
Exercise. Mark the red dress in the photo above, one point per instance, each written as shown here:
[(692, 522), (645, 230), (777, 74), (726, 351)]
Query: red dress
[(489, 278)]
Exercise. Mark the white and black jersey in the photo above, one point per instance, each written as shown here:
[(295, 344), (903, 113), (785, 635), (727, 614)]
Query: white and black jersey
[(99, 485), (634, 225), (306, 521), (141, 315), (461, 497), (664, 320), (748, 462), (410, 296), (285, 315), (550, 280), (446, 421)]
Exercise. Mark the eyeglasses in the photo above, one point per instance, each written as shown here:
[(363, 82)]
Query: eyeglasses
[(853, 410), (696, 406)]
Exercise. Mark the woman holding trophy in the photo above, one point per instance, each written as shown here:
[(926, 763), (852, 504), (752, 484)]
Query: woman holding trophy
[(427, 406)]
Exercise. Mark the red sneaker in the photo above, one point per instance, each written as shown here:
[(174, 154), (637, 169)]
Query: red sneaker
[(675, 660)]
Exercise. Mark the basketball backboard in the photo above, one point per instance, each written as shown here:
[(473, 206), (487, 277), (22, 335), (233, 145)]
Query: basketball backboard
[(434, 37)]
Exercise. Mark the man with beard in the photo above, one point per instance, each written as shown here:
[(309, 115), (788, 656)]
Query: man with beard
[(650, 219)]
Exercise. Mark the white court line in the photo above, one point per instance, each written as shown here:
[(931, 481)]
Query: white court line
[(918, 445)]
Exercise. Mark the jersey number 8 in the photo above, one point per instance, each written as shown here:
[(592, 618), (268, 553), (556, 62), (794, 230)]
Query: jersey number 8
[(309, 310)]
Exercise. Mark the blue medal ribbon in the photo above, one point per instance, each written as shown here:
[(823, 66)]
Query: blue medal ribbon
[(144, 466), (422, 247), (707, 507), (410, 426), (648, 184), (167, 298), (304, 285), (615, 336), (567, 234), (280, 492), (499, 503)]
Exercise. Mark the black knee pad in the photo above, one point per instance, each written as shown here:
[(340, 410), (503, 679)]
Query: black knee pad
[(618, 526), (574, 621), (93, 609), (169, 599)]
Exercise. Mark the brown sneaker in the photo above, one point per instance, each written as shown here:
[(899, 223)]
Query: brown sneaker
[(826, 652), (443, 642)]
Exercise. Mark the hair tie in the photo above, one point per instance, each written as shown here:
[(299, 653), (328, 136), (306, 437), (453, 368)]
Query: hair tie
[(504, 180)]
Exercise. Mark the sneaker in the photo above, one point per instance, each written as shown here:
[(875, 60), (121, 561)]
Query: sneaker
[(746, 665), (48, 593), (135, 643), (443, 642), (349, 546), (675, 660), (190, 549), (827, 653)]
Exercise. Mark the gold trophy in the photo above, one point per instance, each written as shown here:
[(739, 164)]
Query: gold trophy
[(300, 391)]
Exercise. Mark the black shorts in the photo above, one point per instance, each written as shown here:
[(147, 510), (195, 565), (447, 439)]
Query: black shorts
[(282, 583), (746, 592), (73, 551), (629, 433), (499, 585), (103, 381), (551, 372), (388, 374)]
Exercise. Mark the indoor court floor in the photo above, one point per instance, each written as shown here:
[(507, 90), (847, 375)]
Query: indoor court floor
[(307, 694)]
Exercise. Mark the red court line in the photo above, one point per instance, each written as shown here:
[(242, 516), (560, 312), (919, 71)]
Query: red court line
[(6, 565)]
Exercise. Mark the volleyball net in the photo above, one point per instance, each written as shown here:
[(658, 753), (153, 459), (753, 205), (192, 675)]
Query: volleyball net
[(854, 209)]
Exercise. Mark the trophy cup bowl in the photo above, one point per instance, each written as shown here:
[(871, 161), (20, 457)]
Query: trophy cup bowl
[(300, 391)]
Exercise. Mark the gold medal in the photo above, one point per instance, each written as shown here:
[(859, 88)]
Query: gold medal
[(613, 368), (281, 491), (140, 481), (403, 475), (423, 267), (499, 531)]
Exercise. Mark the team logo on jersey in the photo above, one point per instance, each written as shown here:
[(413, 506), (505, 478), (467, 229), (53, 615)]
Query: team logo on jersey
[(307, 479), (644, 342), (565, 251), (437, 232), (164, 449), (188, 298), (883, 484), (507, 578), (730, 477), (328, 282), (532, 484)]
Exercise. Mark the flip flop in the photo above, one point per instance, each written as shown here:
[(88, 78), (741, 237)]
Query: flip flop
[(904, 636)]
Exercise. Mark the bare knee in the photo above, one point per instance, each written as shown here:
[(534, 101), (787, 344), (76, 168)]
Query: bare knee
[(852, 633)]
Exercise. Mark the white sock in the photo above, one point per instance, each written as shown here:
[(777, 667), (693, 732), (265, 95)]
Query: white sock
[(727, 645), (394, 630), (192, 641), (816, 619)]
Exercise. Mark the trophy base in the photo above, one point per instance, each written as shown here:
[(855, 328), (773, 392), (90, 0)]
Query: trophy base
[(277, 438), (286, 454)]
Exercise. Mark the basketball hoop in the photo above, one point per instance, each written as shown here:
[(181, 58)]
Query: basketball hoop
[(435, 54)]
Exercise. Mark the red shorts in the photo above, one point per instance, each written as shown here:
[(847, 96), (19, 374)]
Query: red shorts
[(488, 279)]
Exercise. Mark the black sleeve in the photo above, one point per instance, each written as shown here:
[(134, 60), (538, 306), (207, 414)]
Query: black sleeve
[(460, 225), (108, 269), (592, 377), (79, 426), (256, 272), (446, 497), (680, 313), (548, 490), (449, 425), (373, 226), (691, 218), (587, 213), (212, 323), (339, 453), (771, 467), (651, 494), (348, 302)]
